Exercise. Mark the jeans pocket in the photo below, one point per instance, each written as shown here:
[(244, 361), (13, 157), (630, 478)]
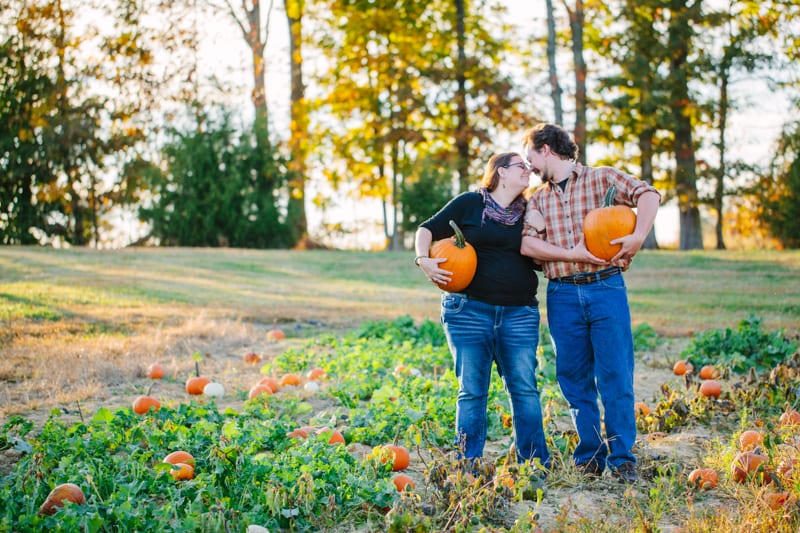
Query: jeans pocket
[(614, 282), (452, 303)]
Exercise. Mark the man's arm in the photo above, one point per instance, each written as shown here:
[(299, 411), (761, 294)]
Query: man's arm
[(534, 245)]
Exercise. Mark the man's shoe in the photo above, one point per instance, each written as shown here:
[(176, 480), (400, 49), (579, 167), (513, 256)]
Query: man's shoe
[(626, 473), (590, 469)]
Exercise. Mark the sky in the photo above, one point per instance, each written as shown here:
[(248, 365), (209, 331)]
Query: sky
[(752, 133)]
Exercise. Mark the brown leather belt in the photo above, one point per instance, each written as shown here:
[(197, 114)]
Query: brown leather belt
[(584, 278)]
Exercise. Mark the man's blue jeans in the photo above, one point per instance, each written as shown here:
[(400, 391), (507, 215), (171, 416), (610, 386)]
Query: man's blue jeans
[(591, 329), (478, 335)]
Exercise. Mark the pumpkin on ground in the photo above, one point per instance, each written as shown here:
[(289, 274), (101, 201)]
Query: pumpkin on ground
[(272, 383), (709, 372), (703, 478), (315, 374), (749, 440), (179, 456), (641, 409), (711, 388), (142, 404), (399, 456), (155, 371), (290, 380), (682, 367), (258, 390), (275, 334), (790, 417), (461, 260), (196, 384), (182, 471), (66, 492), (252, 358), (604, 224), (747, 465), (403, 483)]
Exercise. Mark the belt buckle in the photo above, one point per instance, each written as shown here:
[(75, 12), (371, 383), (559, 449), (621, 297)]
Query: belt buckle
[(583, 278)]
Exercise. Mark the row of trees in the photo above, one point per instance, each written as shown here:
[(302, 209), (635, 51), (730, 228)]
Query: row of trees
[(401, 100)]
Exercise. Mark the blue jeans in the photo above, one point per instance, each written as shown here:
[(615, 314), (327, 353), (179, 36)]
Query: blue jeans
[(478, 335), (591, 330)]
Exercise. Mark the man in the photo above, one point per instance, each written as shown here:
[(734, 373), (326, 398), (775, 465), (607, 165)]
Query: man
[(587, 303)]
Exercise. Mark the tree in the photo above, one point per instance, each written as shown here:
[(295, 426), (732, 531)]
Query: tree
[(555, 86), (298, 123), (680, 36), (393, 93), (576, 24), (26, 96), (209, 194), (780, 191)]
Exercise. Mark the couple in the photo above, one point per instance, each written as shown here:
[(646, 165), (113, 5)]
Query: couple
[(496, 318)]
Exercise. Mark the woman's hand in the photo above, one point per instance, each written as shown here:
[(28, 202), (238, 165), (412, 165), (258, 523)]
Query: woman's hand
[(430, 267)]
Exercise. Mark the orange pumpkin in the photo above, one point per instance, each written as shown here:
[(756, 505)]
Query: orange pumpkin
[(746, 465), (399, 455), (258, 390), (711, 388), (335, 435), (709, 372), (749, 440), (155, 371), (142, 404), (182, 471), (403, 482), (290, 380), (196, 384), (461, 260), (252, 358), (703, 478), (641, 409), (790, 417), (315, 374), (179, 456), (271, 383), (62, 493), (681, 367), (606, 223), (275, 334)]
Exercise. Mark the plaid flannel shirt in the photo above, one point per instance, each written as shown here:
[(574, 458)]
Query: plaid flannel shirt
[(564, 211)]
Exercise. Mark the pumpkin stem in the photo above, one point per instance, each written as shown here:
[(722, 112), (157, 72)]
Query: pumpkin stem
[(460, 242), (609, 199), (196, 368)]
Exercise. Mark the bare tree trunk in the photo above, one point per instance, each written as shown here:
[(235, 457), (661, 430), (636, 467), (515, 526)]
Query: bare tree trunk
[(256, 40), (691, 235), (298, 144), (719, 191), (576, 26), (555, 87), (462, 129)]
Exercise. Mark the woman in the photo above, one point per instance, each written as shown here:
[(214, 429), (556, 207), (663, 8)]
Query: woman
[(496, 318)]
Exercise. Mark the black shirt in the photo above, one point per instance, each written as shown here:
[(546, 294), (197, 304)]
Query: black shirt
[(503, 275)]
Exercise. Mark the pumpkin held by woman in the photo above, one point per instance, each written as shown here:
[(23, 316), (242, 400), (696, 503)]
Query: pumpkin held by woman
[(606, 223), (461, 260)]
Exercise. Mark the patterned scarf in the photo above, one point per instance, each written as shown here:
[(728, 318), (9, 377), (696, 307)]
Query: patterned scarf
[(504, 215)]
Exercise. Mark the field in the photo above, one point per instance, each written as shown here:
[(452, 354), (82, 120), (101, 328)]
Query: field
[(78, 329)]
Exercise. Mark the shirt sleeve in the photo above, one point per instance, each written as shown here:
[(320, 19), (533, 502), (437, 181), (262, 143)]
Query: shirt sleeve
[(629, 188)]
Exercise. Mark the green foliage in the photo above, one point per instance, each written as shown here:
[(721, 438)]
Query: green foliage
[(220, 189), (425, 195), (645, 338), (740, 349), (781, 192)]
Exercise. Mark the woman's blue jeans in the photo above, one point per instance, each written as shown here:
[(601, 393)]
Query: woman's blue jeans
[(478, 335), (591, 329)]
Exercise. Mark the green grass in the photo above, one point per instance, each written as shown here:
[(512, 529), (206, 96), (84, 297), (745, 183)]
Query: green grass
[(675, 292)]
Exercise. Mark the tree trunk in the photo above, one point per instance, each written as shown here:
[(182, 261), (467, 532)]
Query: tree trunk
[(719, 192), (462, 129), (576, 27), (555, 87), (298, 127), (680, 36)]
